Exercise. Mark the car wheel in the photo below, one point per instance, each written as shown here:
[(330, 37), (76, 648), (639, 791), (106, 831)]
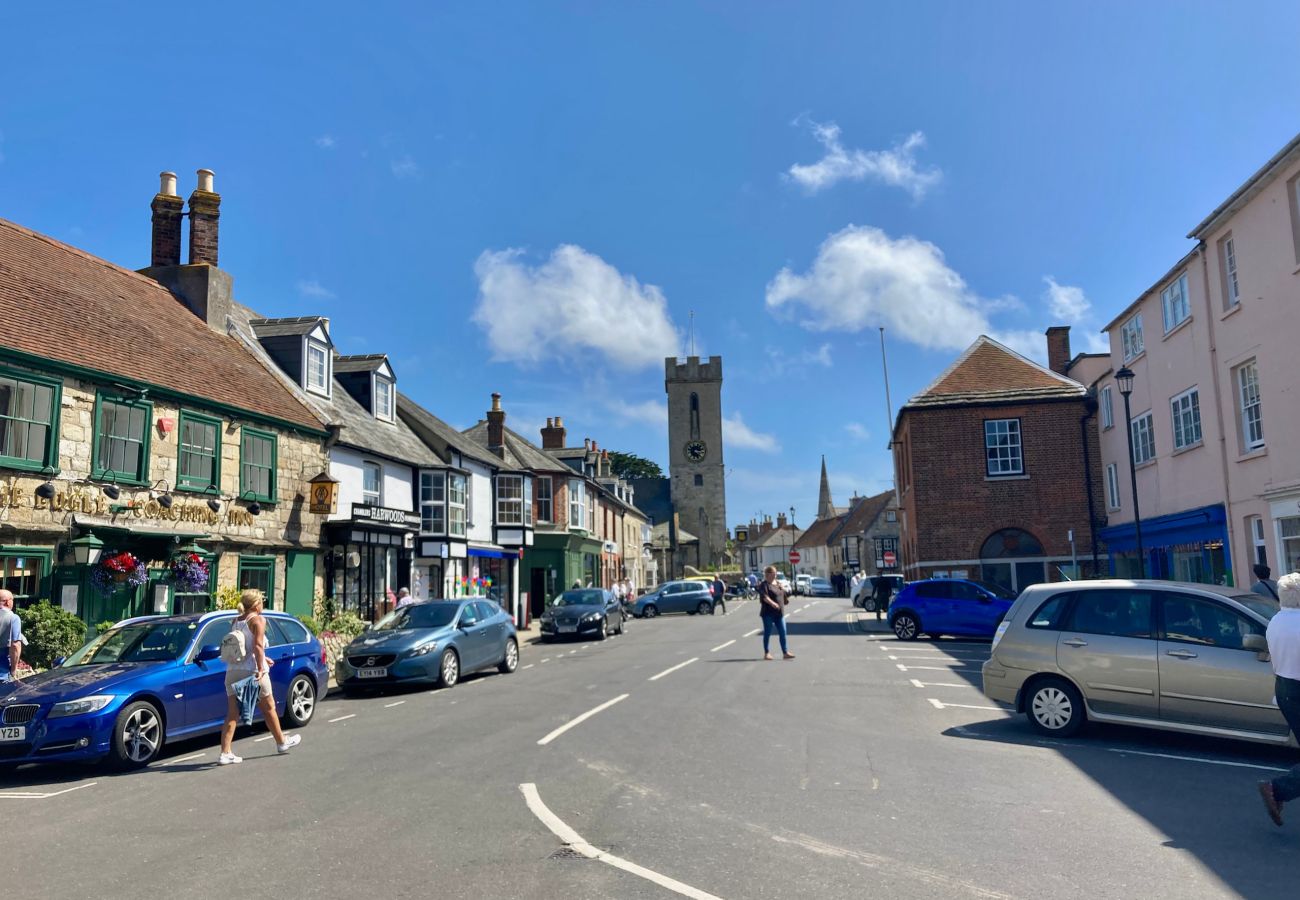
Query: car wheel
[(705, 608), (301, 705), (650, 611), (604, 629), (448, 669), (622, 625), (1055, 707), (137, 735), (906, 626), (511, 662)]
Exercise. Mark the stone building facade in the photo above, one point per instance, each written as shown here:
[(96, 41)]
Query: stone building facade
[(695, 459)]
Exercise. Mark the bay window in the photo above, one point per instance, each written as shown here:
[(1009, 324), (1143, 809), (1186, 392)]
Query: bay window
[(433, 502), (457, 506)]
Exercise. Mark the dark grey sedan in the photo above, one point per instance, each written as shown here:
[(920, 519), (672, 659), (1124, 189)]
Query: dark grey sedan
[(584, 613), (436, 641)]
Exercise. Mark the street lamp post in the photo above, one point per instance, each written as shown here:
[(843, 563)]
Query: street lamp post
[(1124, 379)]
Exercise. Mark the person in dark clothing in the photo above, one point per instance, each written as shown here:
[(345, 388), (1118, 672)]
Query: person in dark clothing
[(772, 601), (719, 593), (1264, 585), (881, 591)]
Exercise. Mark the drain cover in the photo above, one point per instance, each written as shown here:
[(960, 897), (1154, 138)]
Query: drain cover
[(566, 853)]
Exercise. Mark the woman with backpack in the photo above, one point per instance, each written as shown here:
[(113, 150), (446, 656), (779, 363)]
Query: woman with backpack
[(244, 652)]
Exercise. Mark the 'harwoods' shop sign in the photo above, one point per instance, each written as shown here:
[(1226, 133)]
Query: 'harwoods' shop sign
[(14, 496)]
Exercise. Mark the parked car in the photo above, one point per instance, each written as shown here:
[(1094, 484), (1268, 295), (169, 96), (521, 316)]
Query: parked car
[(1191, 658), (802, 583), (434, 641), (147, 681), (782, 580), (955, 606), (820, 587), (864, 595), (675, 596), (586, 612)]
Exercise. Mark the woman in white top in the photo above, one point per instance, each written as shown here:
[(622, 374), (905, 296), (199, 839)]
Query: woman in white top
[(253, 626), (1284, 650)]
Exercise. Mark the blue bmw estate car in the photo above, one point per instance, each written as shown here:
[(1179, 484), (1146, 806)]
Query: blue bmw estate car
[(433, 641), (147, 681), (956, 606)]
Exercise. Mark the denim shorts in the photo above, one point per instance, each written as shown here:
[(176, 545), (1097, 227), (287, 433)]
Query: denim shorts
[(234, 675)]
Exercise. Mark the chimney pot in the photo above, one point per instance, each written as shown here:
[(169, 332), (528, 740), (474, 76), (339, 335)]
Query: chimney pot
[(168, 211), (167, 186), (205, 180), (496, 402), (559, 422)]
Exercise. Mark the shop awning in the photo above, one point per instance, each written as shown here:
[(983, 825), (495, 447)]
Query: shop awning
[(107, 527), (493, 553)]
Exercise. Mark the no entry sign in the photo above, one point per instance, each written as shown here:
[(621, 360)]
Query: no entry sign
[(890, 558), (794, 557)]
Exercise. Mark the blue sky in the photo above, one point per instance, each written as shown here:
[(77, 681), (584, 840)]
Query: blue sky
[(532, 198)]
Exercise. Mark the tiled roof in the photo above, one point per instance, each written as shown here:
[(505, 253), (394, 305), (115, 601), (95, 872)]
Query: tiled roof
[(298, 325), (63, 304), (865, 512), (520, 453), (989, 372), (781, 535), (818, 534), (430, 427)]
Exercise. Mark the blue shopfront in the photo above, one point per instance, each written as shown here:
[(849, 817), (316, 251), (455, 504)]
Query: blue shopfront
[(1191, 545)]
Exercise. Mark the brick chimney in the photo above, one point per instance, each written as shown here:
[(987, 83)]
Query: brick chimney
[(168, 210), (603, 470), (1058, 348), (496, 419), (205, 209), (553, 434), (780, 520)]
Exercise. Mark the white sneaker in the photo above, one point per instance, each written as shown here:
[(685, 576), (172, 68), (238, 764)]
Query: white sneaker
[(290, 742), (229, 759)]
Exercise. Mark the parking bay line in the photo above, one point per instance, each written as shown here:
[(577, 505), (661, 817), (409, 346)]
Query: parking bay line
[(1199, 759), (395, 703), (580, 719), (939, 704), (341, 718), (925, 684), (44, 795), (673, 669), (574, 841), (751, 633), (722, 646), (530, 665)]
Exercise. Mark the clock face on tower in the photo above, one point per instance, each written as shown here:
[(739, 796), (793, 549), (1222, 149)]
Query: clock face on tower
[(696, 451)]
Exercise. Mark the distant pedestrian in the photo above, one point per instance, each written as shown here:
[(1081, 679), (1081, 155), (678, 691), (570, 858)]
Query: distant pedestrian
[(11, 637), (854, 583), (881, 590), (1263, 584), (252, 626), (404, 597), (1284, 649), (772, 603), (719, 593)]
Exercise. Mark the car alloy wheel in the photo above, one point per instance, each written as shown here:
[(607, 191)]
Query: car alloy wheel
[(1055, 707), (449, 669), (650, 611), (302, 701), (511, 662), (603, 633), (138, 735), (705, 608), (906, 628)]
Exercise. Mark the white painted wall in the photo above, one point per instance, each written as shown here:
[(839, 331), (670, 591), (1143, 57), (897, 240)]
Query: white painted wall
[(346, 466), (482, 512)]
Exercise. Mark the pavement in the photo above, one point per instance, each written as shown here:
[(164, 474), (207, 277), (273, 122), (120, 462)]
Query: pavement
[(673, 762)]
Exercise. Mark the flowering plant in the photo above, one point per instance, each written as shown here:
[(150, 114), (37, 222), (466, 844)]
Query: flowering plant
[(116, 568), (189, 574)]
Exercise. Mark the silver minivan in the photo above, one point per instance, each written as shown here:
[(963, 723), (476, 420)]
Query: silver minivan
[(1160, 654)]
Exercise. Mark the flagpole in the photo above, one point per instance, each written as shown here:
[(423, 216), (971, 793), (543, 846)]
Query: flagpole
[(889, 404)]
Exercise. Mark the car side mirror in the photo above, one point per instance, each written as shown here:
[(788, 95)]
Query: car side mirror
[(58, 661), (207, 654), (1257, 643)]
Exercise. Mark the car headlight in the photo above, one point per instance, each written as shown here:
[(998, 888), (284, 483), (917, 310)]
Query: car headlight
[(425, 649), (80, 707), (591, 617)]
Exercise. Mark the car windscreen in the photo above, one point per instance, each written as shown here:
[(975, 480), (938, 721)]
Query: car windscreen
[(997, 590), (821, 582), (418, 615), (142, 642), (581, 598), (1258, 603)]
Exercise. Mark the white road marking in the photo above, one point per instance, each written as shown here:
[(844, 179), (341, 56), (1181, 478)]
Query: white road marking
[(751, 633), (925, 684), (571, 652), (548, 659), (939, 705), (185, 758), (721, 646), (341, 718), (673, 669), (394, 703), (966, 651), (903, 668), (44, 795), (530, 665), (580, 719), (574, 841), (266, 738), (1199, 759)]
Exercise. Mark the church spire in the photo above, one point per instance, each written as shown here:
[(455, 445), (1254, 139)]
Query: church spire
[(825, 509)]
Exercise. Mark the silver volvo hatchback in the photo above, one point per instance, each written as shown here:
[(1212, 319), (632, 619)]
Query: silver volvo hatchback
[(1159, 654)]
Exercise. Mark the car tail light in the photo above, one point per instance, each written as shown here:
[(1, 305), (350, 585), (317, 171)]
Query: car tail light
[(323, 660)]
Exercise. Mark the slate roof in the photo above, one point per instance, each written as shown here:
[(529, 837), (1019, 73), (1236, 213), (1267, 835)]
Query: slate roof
[(989, 372), (864, 513), (290, 327), (62, 304), (361, 363), (819, 533), (520, 453), (439, 434), (357, 427)]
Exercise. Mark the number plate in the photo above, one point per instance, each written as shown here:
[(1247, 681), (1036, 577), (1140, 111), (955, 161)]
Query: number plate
[(372, 673), (564, 629), (13, 733)]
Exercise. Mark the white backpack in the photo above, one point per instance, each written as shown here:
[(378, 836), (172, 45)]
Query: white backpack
[(233, 650)]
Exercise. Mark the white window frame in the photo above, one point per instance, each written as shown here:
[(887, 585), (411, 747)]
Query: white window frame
[(1144, 438), (577, 503), (368, 496), (1107, 408), (1185, 416), (384, 388), (510, 499), (545, 504), (323, 388), (528, 500), (1250, 406), (1014, 461), (1174, 305), (457, 504), (433, 502), (1112, 486), (1131, 337), (1231, 285), (1255, 529)]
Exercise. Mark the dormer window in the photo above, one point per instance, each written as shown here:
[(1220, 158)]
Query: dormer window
[(383, 405), (318, 368)]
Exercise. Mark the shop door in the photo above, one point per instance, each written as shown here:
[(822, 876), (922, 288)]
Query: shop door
[(299, 583), (536, 593)]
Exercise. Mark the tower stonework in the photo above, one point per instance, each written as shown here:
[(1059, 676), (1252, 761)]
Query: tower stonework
[(695, 466)]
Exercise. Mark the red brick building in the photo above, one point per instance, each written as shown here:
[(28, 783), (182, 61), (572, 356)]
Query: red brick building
[(993, 463)]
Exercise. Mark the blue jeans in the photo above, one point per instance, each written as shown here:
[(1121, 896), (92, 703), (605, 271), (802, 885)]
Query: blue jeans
[(771, 624), (1287, 787)]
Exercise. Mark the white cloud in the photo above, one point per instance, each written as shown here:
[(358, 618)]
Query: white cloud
[(863, 278), (895, 166), (858, 430), (568, 306), (653, 413), (736, 433), (405, 167), (325, 141), (821, 356), (1067, 303), (314, 290)]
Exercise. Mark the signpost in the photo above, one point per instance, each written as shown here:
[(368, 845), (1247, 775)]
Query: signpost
[(794, 557), (890, 559)]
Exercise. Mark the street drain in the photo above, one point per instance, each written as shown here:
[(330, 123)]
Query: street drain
[(566, 853)]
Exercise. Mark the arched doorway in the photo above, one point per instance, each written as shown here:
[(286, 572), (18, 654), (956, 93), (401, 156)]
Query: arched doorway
[(1012, 557)]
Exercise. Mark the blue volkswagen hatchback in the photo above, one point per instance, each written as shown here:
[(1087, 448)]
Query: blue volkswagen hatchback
[(954, 606), (147, 681)]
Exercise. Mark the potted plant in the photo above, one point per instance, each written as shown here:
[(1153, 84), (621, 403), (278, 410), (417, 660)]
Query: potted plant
[(189, 573), (116, 569)]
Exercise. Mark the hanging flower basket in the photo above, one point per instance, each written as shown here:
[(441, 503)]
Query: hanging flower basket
[(189, 574), (118, 568)]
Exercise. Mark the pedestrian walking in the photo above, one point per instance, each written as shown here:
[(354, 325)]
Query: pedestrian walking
[(1284, 650), (719, 593), (11, 637), (404, 597), (881, 591), (251, 626), (1263, 584), (772, 603)]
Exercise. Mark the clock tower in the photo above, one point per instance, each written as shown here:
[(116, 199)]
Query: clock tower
[(695, 453)]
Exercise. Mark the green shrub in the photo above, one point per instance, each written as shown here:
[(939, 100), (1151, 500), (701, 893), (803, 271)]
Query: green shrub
[(311, 624), (346, 624), (325, 608), (228, 597), (104, 626), (51, 632)]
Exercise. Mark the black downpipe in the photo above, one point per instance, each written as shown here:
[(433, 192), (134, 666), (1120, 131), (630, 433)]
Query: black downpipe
[(1090, 410)]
